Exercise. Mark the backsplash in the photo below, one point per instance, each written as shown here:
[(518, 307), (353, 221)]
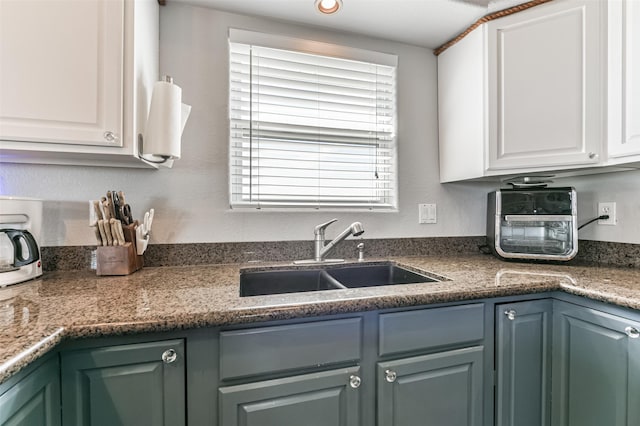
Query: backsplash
[(608, 253), (67, 258)]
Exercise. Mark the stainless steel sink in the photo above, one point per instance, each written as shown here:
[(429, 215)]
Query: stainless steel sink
[(333, 277)]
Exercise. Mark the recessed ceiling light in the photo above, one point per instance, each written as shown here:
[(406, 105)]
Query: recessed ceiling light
[(328, 6)]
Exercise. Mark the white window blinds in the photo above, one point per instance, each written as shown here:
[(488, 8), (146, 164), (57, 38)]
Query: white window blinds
[(309, 130)]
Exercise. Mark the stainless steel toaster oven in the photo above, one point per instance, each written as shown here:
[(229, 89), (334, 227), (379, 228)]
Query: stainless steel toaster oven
[(533, 223)]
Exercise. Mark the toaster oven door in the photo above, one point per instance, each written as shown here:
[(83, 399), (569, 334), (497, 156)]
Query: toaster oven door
[(552, 237)]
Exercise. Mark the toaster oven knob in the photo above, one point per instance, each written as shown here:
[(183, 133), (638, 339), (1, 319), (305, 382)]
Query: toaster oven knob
[(511, 314), (632, 332)]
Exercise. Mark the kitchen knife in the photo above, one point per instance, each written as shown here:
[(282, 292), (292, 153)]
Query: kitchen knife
[(102, 208), (116, 229), (103, 235), (96, 229), (107, 210), (122, 238), (116, 205), (96, 209), (107, 232), (112, 205)]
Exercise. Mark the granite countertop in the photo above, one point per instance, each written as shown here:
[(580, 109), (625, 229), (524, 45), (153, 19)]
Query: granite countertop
[(37, 315)]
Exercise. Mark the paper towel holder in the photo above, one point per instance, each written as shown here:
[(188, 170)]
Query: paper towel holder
[(165, 124)]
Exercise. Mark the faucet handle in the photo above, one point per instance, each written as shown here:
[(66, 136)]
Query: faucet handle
[(320, 228)]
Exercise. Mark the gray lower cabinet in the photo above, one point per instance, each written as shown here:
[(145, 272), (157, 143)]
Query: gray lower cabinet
[(523, 363), (428, 369), (310, 387), (596, 368), (328, 398), (444, 384), (35, 399), (444, 388), (135, 384)]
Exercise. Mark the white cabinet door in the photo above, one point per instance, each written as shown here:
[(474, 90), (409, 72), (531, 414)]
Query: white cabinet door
[(545, 87), (624, 79), (61, 65)]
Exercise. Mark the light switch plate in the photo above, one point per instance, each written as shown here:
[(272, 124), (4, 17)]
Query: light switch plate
[(427, 213)]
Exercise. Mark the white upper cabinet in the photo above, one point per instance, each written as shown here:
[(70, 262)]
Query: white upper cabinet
[(525, 93), (544, 87), (75, 79), (624, 81), (61, 71)]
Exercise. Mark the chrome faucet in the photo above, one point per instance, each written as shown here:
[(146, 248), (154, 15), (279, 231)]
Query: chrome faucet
[(321, 250)]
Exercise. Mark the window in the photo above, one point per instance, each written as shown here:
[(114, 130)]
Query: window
[(309, 128)]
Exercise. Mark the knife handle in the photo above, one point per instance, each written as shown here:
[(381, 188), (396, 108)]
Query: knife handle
[(116, 230), (121, 234), (111, 200), (96, 229), (103, 235), (107, 232), (106, 210), (96, 209)]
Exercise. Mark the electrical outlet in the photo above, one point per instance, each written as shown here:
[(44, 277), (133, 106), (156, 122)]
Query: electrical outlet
[(608, 209), (427, 213)]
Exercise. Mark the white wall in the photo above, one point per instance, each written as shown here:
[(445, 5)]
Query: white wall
[(624, 189), (191, 199)]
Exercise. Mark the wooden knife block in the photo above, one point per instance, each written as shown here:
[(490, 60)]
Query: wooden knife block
[(119, 260)]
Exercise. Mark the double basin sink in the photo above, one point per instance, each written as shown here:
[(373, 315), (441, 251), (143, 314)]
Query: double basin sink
[(278, 281)]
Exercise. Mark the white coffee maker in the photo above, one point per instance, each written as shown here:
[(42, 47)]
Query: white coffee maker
[(20, 233)]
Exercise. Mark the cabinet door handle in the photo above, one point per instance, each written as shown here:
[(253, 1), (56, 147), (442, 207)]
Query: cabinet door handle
[(355, 381), (632, 332), (592, 155), (511, 314), (110, 136), (169, 356), (390, 376)]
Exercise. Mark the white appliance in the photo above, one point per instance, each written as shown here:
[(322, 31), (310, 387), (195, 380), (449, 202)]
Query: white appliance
[(20, 233)]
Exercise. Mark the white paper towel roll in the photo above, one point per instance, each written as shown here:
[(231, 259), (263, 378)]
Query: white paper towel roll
[(167, 117)]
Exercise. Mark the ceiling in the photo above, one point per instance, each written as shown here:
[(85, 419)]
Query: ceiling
[(427, 23)]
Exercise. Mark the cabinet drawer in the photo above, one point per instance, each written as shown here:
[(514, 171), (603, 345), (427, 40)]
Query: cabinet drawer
[(426, 328), (263, 350)]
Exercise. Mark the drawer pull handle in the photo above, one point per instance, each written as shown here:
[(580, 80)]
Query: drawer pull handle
[(632, 332), (355, 381), (390, 376), (511, 314), (169, 356)]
